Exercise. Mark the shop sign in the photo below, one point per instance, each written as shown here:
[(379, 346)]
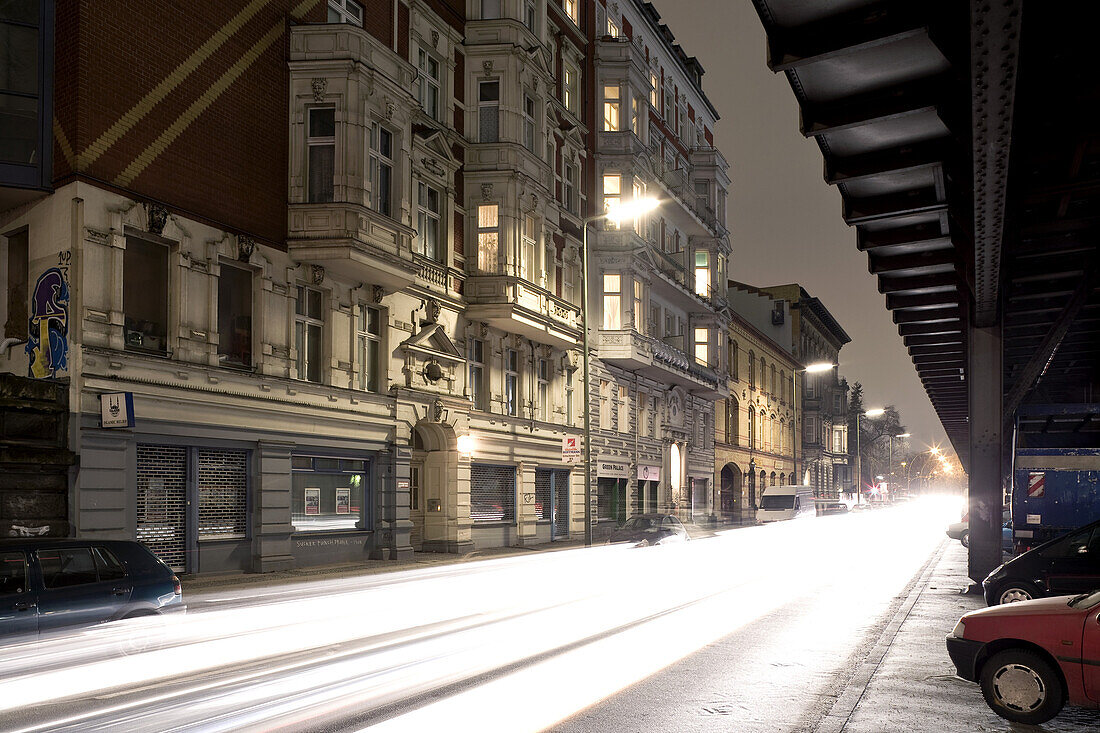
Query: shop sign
[(649, 473), (570, 449), (611, 467), (117, 409)]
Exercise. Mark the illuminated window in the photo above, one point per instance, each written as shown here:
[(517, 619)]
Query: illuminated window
[(639, 307), (612, 27), (488, 238), (569, 88), (612, 194), (701, 346), (612, 302), (611, 108), (654, 99), (702, 274), (570, 7), (635, 115)]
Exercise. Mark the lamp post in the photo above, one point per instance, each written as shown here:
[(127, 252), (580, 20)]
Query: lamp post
[(877, 412), (890, 465), (627, 210), (815, 368)]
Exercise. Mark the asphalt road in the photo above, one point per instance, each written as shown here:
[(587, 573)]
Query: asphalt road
[(757, 626)]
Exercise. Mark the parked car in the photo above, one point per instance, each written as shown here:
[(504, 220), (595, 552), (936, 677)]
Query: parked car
[(48, 584), (961, 530), (650, 529), (1066, 565), (779, 503), (832, 507), (1032, 658)]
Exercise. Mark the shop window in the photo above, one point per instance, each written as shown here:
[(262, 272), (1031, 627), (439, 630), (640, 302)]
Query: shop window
[(702, 350), (321, 142), (428, 218), (488, 111), (612, 108), (223, 494), (145, 295), (308, 327), (429, 83), (381, 169), (492, 493), (612, 302), (328, 493), (511, 382), (476, 362), (234, 316), (488, 238), (15, 324), (368, 334), (345, 11)]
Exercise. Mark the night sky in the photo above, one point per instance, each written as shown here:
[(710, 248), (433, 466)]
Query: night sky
[(785, 221)]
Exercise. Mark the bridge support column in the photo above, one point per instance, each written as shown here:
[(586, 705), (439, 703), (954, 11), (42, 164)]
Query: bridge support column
[(986, 397)]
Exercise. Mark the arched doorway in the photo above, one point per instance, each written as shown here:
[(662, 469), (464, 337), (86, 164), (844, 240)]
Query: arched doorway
[(730, 492), (433, 470)]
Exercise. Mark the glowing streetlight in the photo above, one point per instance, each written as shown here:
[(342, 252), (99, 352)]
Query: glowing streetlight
[(877, 412), (821, 366)]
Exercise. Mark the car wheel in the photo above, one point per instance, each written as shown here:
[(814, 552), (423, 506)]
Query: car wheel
[(1014, 593), (143, 635), (1022, 687), (964, 538)]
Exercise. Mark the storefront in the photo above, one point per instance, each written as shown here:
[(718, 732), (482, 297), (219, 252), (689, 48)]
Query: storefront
[(612, 475), (493, 504), (648, 478)]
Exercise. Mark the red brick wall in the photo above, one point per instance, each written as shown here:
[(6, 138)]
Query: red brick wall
[(228, 166)]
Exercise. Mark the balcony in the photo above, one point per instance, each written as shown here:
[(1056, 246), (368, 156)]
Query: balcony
[(664, 360), (623, 142), (517, 306), (353, 242)]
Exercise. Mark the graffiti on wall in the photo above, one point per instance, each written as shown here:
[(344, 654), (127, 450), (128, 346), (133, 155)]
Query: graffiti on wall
[(48, 343)]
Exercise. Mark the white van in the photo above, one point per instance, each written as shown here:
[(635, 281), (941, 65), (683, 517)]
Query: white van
[(786, 502)]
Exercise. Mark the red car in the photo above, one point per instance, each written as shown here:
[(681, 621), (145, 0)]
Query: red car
[(1033, 657)]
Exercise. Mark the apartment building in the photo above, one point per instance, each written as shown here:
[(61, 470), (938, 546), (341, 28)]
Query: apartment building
[(659, 317)]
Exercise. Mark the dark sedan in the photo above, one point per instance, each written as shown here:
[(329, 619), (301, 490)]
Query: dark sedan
[(51, 584), (1064, 566), (650, 529)]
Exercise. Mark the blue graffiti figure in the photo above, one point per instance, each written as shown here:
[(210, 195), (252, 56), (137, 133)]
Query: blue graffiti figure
[(48, 342)]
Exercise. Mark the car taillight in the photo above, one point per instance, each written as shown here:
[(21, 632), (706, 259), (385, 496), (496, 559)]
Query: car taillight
[(176, 587)]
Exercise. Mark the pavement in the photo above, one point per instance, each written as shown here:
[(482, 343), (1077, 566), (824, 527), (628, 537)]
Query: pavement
[(907, 682)]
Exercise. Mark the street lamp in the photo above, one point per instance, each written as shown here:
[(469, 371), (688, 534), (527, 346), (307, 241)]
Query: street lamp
[(821, 366), (877, 412), (626, 210)]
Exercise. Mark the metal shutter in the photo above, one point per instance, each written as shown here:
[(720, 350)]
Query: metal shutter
[(161, 502), (560, 526), (223, 492), (492, 493), (543, 493)]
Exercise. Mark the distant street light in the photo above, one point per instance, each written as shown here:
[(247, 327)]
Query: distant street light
[(633, 209), (821, 366), (877, 412)]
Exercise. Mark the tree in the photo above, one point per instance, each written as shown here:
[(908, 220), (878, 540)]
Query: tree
[(876, 453)]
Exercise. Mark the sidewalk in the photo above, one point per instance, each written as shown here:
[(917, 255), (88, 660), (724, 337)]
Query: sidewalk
[(908, 682)]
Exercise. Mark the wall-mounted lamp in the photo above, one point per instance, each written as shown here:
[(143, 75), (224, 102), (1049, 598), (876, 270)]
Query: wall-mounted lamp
[(466, 445)]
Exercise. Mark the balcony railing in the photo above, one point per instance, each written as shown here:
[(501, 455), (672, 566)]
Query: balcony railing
[(517, 306)]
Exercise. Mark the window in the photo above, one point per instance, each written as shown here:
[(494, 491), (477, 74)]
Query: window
[(68, 566), (612, 195), (752, 427), (733, 358), (570, 193), (369, 344), (642, 428), (492, 493), (639, 194), (476, 360), (612, 302), (569, 88), (783, 385), (623, 414), (145, 295), (763, 376), (701, 348), (327, 493), (381, 169), (653, 97), (529, 17), (529, 123), (809, 428), (13, 573), (702, 195), (639, 307), (429, 84), (732, 427), (345, 11), (612, 27), (23, 86), (654, 324), (570, 8), (635, 115), (773, 384), (321, 142), (490, 9), (488, 111), (487, 238), (234, 316), (428, 222), (611, 108), (702, 273), (605, 404), (15, 324), (529, 264), (544, 389), (414, 487), (568, 397), (838, 440), (810, 385), (308, 324), (511, 382)]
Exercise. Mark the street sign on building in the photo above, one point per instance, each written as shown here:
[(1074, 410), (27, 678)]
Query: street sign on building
[(649, 473), (570, 449), (612, 467), (117, 409)]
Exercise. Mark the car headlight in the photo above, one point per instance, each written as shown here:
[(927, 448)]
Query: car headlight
[(997, 572), (959, 631)]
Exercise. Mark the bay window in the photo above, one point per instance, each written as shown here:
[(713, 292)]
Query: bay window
[(528, 264), (488, 238), (612, 302), (639, 307), (381, 169), (488, 111), (321, 142), (345, 11), (702, 273), (702, 346), (612, 195), (529, 123), (611, 108)]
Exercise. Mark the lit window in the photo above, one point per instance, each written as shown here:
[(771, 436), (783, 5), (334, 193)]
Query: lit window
[(639, 307), (612, 193), (321, 142), (429, 84), (476, 360), (569, 89), (488, 238), (701, 346), (369, 345), (345, 11), (654, 99), (511, 382), (702, 274), (570, 7), (612, 27), (381, 169), (612, 302), (488, 111), (308, 325), (611, 109), (428, 207), (635, 115)]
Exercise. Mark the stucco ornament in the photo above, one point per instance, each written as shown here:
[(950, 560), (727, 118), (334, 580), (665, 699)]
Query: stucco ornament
[(432, 309), (157, 217), (319, 85), (245, 247), (318, 274), (437, 411)]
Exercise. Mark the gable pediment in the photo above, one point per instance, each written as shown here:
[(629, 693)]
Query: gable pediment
[(432, 340)]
